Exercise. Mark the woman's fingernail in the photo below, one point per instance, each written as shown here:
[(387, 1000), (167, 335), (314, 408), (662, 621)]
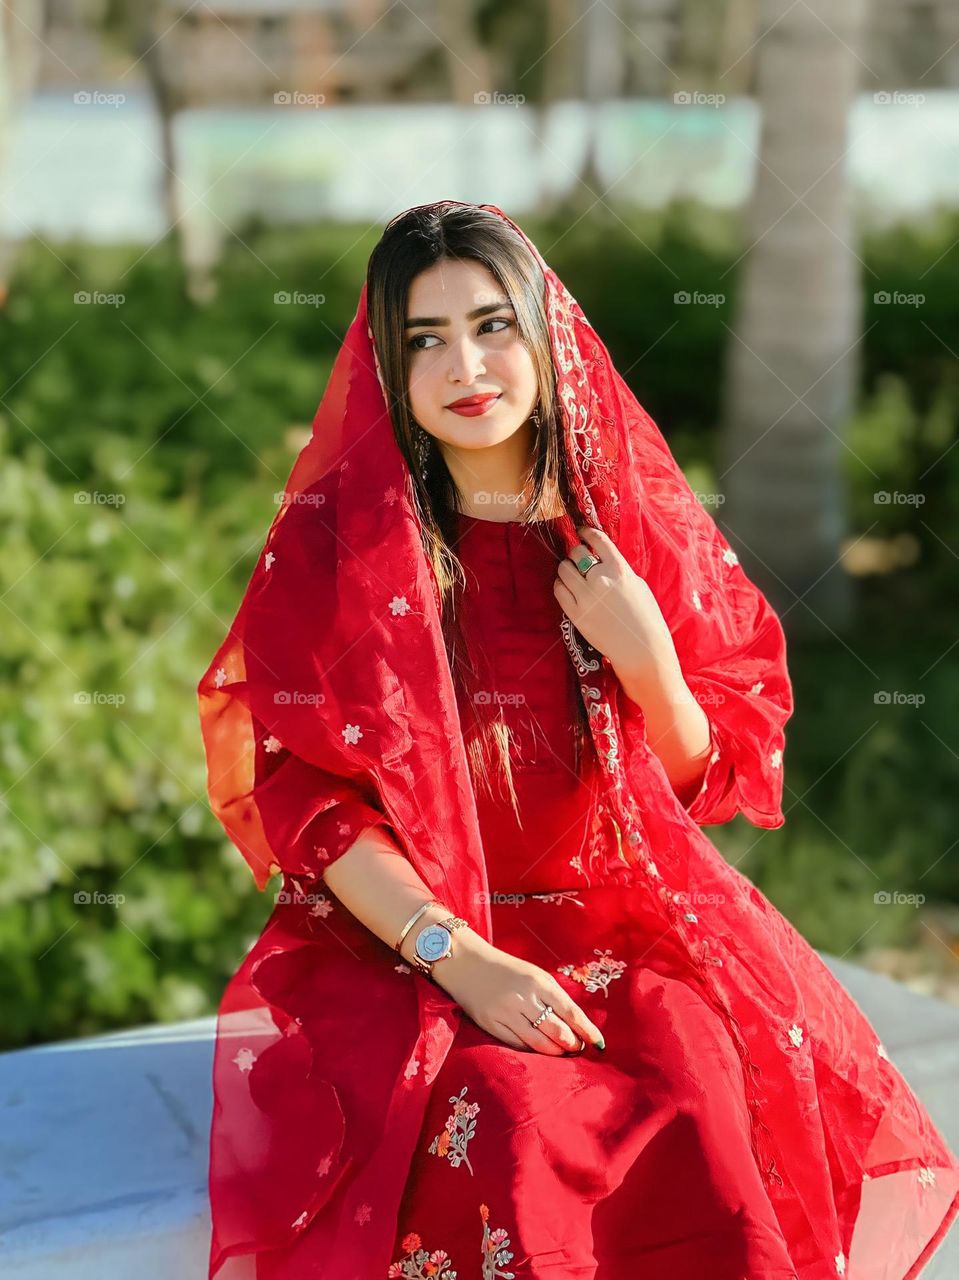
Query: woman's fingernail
[(601, 1043)]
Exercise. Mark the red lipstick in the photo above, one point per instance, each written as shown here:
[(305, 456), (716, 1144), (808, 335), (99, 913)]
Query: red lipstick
[(473, 406)]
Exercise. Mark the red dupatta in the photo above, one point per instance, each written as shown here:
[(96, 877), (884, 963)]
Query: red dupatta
[(330, 706)]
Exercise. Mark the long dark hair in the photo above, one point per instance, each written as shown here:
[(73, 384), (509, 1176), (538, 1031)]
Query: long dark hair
[(410, 244)]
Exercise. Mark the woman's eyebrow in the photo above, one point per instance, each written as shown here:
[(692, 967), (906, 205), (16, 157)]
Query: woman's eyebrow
[(439, 321)]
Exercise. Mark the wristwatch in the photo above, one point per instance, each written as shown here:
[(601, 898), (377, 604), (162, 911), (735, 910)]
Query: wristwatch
[(433, 943)]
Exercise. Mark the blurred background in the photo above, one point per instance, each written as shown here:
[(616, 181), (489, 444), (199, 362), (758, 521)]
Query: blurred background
[(756, 202)]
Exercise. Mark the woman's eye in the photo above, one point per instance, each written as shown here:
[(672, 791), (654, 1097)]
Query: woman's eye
[(420, 337), (414, 343)]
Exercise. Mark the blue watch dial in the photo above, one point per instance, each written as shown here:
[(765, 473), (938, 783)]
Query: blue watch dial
[(433, 942)]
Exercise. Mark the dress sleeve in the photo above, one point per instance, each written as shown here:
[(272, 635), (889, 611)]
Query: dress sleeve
[(731, 648), (309, 817)]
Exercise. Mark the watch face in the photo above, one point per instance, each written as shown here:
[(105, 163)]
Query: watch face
[(433, 942)]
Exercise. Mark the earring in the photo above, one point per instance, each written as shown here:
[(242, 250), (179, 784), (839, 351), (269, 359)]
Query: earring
[(534, 417), (421, 446)]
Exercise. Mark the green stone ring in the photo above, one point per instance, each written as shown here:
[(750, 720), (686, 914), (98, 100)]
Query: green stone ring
[(586, 562)]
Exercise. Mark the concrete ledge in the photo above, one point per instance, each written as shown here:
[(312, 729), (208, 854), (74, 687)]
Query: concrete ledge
[(104, 1141)]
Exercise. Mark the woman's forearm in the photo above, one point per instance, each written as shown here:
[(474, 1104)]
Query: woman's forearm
[(380, 886)]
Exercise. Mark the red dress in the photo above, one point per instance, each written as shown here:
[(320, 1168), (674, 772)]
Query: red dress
[(635, 1161)]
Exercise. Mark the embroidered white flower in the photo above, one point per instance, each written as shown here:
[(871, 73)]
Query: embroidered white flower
[(881, 1050), (412, 1067), (927, 1177), (220, 677), (757, 687), (268, 559), (729, 555), (245, 1059), (324, 1166), (272, 745), (795, 1035), (596, 975), (391, 495), (363, 1214), (696, 600), (561, 895), (652, 868), (402, 968), (352, 733), (321, 909), (776, 758), (840, 1263), (692, 917), (399, 606), (300, 1220)]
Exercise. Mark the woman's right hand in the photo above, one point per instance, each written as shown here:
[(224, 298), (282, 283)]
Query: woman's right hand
[(504, 994)]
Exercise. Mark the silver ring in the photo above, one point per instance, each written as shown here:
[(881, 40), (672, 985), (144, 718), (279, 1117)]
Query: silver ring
[(545, 1014), (585, 563)]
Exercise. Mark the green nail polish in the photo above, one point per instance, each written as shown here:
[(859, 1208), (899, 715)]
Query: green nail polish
[(600, 1044)]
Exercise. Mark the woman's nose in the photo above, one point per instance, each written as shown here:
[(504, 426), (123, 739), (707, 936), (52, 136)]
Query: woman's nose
[(466, 361)]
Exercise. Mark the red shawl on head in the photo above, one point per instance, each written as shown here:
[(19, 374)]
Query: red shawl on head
[(330, 706)]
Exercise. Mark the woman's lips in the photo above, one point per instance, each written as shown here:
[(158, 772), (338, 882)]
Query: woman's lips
[(473, 406)]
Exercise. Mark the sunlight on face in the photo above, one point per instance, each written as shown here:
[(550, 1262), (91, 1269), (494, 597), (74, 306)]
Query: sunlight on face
[(455, 353)]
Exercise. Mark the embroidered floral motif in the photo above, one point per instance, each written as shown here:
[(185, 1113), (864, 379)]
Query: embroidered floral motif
[(795, 1035), (730, 556), (411, 1068), (927, 1177), (881, 1050), (419, 1262), (268, 559), (757, 687), (300, 1220), (564, 895), (363, 1214), (840, 1261), (460, 1128), (352, 733), (399, 606), (219, 678), (272, 745), (495, 1253), (245, 1059), (596, 975), (402, 968), (696, 600), (776, 758)]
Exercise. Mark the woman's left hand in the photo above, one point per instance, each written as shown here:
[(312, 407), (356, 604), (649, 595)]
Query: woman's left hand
[(615, 610)]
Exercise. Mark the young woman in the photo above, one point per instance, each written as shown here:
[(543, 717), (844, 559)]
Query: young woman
[(513, 1014)]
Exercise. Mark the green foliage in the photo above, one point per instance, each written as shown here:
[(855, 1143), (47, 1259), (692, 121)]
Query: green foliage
[(182, 421)]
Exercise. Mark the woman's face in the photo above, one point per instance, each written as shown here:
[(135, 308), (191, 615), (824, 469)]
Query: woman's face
[(463, 342)]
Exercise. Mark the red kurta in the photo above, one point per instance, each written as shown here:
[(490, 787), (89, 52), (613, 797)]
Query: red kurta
[(631, 1162)]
